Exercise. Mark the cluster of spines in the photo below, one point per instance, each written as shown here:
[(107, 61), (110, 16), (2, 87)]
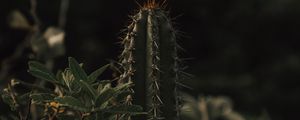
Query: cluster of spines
[(127, 61), (126, 58), (152, 4)]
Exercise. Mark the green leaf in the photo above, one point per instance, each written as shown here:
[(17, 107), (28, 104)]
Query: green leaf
[(71, 102), (123, 87), (101, 83), (59, 76), (93, 76), (41, 98), (125, 109), (77, 71), (40, 71), (88, 88), (102, 88), (68, 79), (104, 97), (107, 93), (99, 88)]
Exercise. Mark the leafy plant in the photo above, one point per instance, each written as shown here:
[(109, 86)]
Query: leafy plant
[(214, 108), (149, 60), (76, 95)]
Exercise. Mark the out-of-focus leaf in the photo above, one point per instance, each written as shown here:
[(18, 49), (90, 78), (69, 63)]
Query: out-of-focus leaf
[(93, 76), (3, 118), (77, 71), (13, 117), (18, 21), (72, 103), (39, 45), (54, 36), (24, 98)]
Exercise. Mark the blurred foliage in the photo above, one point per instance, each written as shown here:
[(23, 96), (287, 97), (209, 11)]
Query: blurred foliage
[(214, 108)]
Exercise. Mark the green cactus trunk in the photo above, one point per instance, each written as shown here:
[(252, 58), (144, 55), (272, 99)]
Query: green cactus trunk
[(149, 60)]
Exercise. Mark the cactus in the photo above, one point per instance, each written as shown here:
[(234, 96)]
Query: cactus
[(149, 60)]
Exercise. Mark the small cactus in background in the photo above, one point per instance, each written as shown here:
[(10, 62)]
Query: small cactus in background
[(214, 108), (209, 108), (150, 60)]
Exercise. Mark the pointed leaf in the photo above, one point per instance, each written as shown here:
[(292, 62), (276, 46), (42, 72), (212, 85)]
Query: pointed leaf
[(77, 71), (40, 71), (107, 93), (59, 76), (93, 76), (106, 86), (88, 88), (123, 87), (72, 102), (101, 82), (105, 96)]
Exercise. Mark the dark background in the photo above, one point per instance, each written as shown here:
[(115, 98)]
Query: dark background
[(245, 49)]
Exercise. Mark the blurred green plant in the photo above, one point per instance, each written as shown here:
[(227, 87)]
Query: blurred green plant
[(75, 95), (214, 108)]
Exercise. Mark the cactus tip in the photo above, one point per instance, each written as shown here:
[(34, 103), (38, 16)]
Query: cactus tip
[(152, 4)]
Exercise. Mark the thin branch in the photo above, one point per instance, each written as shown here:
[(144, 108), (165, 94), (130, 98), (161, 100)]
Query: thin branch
[(33, 6), (7, 64), (63, 13)]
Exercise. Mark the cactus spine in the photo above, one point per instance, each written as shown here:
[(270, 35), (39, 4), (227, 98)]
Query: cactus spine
[(149, 60)]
